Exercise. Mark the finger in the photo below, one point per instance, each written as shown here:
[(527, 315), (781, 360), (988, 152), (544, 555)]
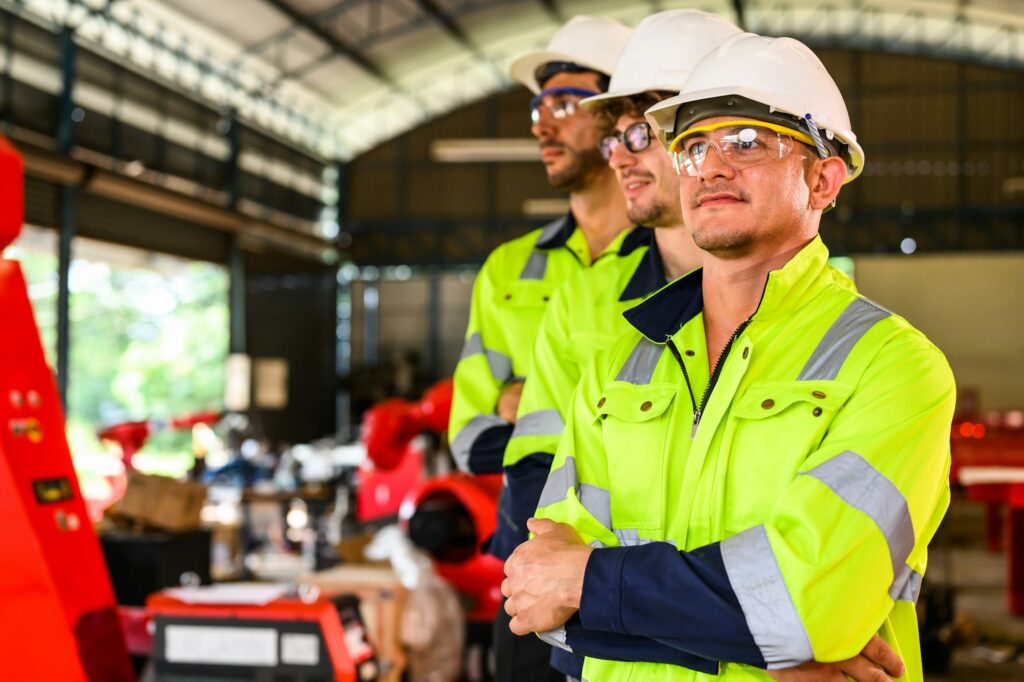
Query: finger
[(517, 627), (881, 654), (540, 526), (510, 608), (506, 589), (863, 670)]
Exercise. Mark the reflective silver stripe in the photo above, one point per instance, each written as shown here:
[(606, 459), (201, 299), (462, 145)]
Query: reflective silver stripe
[(556, 638), (864, 488), (558, 483), (598, 502), (549, 231), (474, 344), (628, 537), (640, 364), (827, 359), (499, 363), (463, 443), (769, 611), (907, 585), (539, 423), (535, 266)]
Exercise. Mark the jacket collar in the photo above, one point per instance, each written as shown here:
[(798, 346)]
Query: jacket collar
[(557, 232), (649, 275), (665, 312)]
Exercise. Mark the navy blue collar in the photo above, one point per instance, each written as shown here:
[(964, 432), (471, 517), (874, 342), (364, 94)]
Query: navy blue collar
[(665, 312), (556, 233), (637, 237), (649, 275)]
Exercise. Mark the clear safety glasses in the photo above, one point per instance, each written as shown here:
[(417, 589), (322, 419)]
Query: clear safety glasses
[(561, 103), (636, 137), (739, 144)]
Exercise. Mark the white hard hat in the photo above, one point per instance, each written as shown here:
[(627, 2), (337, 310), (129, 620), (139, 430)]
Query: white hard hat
[(591, 42), (781, 74), (663, 50)]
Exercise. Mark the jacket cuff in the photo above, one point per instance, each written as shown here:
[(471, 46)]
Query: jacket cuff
[(601, 601)]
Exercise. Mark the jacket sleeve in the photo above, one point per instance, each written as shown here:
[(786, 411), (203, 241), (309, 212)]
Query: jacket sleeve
[(540, 423), (478, 436), (845, 542), (548, 391), (576, 492)]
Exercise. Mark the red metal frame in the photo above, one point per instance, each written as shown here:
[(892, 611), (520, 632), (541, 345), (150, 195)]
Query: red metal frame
[(322, 612), (51, 557)]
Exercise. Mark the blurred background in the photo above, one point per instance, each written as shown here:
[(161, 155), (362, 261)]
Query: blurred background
[(248, 223)]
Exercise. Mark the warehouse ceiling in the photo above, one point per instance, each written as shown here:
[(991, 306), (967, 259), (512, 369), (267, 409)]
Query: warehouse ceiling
[(339, 77)]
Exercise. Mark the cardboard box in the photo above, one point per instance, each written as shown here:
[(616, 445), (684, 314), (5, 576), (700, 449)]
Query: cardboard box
[(381, 598), (162, 502)]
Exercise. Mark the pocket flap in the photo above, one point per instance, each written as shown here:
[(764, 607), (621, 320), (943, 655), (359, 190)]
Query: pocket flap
[(635, 403), (769, 398), (524, 294)]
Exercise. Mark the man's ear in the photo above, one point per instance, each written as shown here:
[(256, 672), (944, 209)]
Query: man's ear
[(825, 178)]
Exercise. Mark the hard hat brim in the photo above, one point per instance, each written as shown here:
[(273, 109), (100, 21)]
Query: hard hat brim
[(524, 67), (607, 96)]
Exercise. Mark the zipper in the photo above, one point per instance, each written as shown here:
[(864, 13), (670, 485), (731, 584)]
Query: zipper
[(698, 411)]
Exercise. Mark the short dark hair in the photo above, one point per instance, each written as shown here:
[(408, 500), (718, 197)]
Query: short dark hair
[(607, 112), (549, 70)]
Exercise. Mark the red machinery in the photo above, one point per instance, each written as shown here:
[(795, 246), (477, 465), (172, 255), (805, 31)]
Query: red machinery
[(285, 639), (58, 619), (450, 517), (131, 436), (394, 463), (988, 461)]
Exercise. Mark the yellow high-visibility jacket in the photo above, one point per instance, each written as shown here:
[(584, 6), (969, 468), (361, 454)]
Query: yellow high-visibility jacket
[(773, 511)]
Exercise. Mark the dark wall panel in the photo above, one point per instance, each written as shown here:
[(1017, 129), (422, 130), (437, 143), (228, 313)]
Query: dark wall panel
[(291, 315)]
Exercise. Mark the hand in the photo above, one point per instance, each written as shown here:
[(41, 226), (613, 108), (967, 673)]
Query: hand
[(508, 401), (545, 577), (876, 662)]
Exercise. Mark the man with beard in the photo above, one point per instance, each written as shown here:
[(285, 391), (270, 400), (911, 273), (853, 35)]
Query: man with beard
[(752, 473), (514, 285)]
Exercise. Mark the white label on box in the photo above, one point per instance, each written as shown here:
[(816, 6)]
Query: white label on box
[(220, 645), (299, 649)]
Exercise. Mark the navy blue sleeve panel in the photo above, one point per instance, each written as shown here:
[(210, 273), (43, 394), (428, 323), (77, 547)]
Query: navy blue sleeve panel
[(488, 450), (567, 663), (524, 482), (682, 599), (614, 646)]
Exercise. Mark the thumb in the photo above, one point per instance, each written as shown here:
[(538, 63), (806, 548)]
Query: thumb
[(541, 526)]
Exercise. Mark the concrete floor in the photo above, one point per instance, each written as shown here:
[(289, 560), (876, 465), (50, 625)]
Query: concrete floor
[(993, 639)]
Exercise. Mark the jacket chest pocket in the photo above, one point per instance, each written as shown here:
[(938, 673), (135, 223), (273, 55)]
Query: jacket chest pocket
[(635, 424), (775, 426), (523, 294)]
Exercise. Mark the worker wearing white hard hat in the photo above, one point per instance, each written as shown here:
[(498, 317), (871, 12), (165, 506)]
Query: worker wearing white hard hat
[(585, 313), (752, 473), (513, 287)]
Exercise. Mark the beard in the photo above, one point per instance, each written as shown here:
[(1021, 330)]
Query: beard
[(657, 213), (717, 236), (721, 241), (660, 210), (584, 165)]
